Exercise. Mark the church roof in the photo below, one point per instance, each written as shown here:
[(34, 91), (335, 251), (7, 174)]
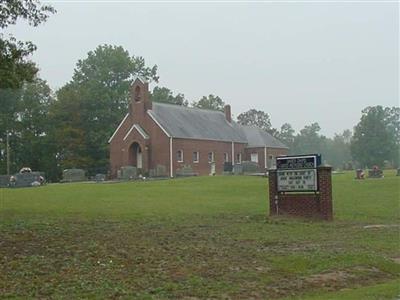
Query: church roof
[(203, 124), (194, 123), (257, 137)]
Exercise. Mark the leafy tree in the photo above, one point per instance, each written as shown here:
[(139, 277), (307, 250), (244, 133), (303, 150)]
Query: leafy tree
[(10, 105), (210, 102), (257, 118), (30, 142), (308, 140), (15, 67), (392, 121), (36, 148), (376, 137), (286, 135), (91, 106), (165, 95), (336, 151), (67, 115)]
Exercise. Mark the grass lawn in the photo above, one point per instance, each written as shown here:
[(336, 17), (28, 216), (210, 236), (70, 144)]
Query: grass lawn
[(205, 237)]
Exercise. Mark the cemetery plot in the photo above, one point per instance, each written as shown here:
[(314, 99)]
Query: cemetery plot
[(197, 237)]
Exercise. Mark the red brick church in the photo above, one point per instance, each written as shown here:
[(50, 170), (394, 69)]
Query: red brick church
[(174, 137)]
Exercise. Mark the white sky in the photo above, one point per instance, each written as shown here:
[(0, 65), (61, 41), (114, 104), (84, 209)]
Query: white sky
[(300, 62)]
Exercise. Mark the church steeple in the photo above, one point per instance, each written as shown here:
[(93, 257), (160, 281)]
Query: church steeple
[(140, 97)]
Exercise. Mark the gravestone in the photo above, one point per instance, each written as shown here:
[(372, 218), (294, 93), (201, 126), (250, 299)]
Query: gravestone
[(73, 175), (128, 173), (360, 174), (238, 169), (28, 179), (100, 177), (375, 172), (250, 167), (152, 173), (185, 171), (4, 180), (228, 166), (159, 171)]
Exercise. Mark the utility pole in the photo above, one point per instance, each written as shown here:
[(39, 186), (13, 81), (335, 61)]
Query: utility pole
[(8, 154)]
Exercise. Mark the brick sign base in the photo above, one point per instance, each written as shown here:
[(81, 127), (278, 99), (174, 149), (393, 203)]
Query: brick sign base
[(311, 205)]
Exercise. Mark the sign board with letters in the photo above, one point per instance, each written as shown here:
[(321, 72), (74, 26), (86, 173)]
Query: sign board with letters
[(297, 173)]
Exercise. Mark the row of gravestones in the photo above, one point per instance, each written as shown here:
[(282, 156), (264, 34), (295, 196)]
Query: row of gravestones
[(374, 173), (22, 179), (77, 175), (129, 172), (246, 167)]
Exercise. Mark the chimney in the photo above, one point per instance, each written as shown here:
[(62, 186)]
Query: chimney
[(148, 104), (228, 114)]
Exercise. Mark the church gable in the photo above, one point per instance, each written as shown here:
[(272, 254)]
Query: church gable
[(137, 128)]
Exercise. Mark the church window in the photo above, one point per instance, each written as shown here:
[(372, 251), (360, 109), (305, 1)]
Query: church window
[(137, 94), (210, 157), (179, 156), (226, 157), (239, 158), (196, 157)]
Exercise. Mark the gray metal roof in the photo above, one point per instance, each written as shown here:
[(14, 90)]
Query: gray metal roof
[(257, 137), (194, 123)]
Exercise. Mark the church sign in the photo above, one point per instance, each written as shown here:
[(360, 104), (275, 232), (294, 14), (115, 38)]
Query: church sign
[(297, 173)]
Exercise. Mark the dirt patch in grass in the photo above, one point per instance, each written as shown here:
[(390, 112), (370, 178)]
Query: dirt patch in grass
[(396, 260), (327, 281), (375, 226)]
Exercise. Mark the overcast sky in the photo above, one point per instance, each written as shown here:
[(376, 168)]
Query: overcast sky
[(300, 62)]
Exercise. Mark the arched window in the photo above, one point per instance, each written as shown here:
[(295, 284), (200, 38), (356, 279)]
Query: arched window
[(210, 157), (196, 157), (137, 94), (226, 157), (179, 156), (239, 158)]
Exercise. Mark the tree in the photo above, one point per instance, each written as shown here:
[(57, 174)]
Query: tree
[(30, 142), (286, 135), (376, 137), (15, 67), (257, 118), (336, 151), (10, 105), (308, 140), (165, 95), (36, 148), (90, 107), (210, 102)]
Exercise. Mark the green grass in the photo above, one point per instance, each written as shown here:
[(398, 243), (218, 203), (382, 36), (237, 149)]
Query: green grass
[(205, 237)]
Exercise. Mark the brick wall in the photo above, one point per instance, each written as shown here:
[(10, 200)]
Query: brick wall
[(203, 167), (261, 155), (312, 205)]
